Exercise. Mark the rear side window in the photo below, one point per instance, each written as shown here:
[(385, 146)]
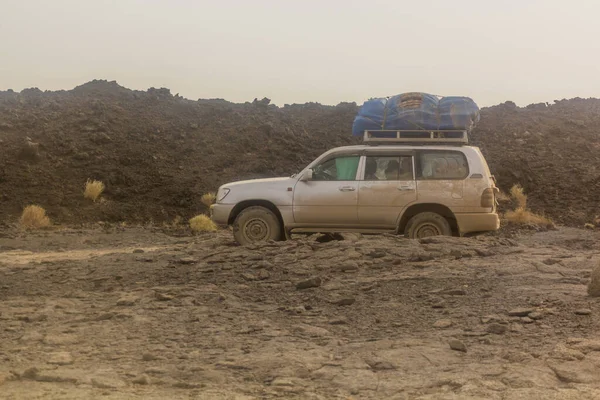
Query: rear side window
[(388, 168), (441, 165)]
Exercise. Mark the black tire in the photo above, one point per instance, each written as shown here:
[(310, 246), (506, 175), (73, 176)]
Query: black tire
[(427, 224), (256, 225)]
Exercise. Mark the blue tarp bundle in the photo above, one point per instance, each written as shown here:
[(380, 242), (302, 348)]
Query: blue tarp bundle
[(416, 111)]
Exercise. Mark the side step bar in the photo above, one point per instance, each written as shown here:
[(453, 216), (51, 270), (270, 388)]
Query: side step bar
[(341, 230)]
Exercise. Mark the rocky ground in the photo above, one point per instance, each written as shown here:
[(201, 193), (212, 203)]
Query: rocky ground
[(119, 313)]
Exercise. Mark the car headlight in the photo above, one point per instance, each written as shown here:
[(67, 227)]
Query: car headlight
[(222, 194)]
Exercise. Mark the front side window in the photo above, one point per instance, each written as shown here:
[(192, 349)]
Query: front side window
[(386, 168), (439, 165), (342, 168)]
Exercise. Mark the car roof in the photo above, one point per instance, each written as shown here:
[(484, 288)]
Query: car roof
[(398, 147)]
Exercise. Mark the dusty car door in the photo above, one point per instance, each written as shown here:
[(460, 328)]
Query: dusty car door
[(386, 188), (440, 178), (330, 197)]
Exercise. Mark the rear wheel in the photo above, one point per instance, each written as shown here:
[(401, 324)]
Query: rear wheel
[(255, 225), (427, 224)]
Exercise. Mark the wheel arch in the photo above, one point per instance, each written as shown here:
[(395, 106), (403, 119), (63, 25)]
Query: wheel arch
[(241, 206), (440, 209)]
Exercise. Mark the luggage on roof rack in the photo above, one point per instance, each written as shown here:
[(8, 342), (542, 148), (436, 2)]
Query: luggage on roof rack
[(456, 137), (418, 111)]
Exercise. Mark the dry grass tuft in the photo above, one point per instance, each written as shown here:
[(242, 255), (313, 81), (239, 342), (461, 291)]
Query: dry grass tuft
[(208, 199), (526, 217), (521, 215), (34, 217), (516, 192), (93, 190), (202, 223)]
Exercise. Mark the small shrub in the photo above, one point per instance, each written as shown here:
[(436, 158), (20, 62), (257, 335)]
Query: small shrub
[(526, 217), (34, 217), (93, 190), (516, 192), (208, 199), (521, 215), (202, 223)]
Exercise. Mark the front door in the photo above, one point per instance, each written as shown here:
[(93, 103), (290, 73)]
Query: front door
[(330, 198), (387, 187)]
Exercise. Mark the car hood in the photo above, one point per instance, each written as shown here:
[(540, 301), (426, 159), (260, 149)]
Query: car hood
[(265, 181)]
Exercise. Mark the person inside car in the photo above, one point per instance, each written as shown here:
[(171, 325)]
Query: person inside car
[(371, 169), (391, 172)]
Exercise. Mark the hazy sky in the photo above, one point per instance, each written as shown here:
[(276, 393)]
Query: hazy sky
[(294, 51)]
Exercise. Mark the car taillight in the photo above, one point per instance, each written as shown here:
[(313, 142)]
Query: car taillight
[(487, 198)]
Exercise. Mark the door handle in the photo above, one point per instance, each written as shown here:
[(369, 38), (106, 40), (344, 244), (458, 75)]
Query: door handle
[(405, 188), (347, 188)]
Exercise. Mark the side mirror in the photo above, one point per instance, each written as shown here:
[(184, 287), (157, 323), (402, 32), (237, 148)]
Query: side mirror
[(307, 176)]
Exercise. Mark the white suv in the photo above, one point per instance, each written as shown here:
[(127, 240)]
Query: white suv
[(388, 185)]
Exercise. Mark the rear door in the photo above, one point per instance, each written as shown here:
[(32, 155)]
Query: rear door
[(386, 188), (330, 198), (441, 176)]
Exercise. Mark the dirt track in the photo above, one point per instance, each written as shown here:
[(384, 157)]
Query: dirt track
[(135, 313)]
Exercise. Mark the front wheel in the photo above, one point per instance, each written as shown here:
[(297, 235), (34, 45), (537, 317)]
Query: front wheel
[(255, 225), (427, 224)]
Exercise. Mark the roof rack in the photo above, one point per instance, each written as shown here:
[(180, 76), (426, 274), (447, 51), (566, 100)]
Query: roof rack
[(456, 137)]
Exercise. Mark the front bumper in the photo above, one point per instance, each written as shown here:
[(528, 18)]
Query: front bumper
[(219, 213), (477, 222)]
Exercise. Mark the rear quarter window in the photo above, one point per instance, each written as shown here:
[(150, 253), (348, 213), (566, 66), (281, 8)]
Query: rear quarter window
[(441, 165)]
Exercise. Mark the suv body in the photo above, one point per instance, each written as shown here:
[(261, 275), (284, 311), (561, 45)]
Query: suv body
[(418, 190)]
